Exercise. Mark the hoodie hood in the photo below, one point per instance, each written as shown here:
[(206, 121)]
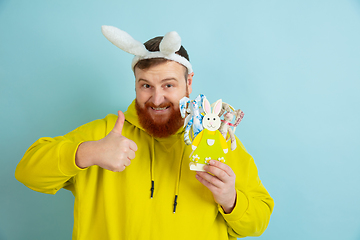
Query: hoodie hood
[(131, 115)]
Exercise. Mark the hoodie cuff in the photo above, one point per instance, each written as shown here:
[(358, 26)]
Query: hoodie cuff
[(242, 204), (67, 163)]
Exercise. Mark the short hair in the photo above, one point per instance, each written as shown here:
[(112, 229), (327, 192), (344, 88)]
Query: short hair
[(152, 45)]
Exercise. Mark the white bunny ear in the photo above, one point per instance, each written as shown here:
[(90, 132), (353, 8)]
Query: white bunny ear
[(206, 105), (217, 107), (171, 43), (124, 41)]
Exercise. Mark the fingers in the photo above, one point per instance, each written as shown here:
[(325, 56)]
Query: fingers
[(217, 174), (220, 170), (117, 150), (119, 122), (118, 166), (127, 162), (220, 180), (131, 155), (209, 181), (133, 146)]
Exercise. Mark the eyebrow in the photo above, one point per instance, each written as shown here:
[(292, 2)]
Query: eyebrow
[(164, 80)]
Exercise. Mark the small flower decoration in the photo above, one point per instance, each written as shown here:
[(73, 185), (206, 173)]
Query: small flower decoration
[(195, 158), (221, 159)]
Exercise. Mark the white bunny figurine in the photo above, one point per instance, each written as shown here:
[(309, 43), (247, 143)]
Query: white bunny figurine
[(209, 143)]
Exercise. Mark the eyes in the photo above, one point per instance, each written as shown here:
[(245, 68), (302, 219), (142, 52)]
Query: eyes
[(212, 119), (147, 86)]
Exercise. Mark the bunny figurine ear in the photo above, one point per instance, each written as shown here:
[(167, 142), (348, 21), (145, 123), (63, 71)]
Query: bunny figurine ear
[(169, 45), (217, 107), (207, 106)]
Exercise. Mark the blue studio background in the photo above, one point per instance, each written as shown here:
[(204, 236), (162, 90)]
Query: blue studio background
[(293, 67)]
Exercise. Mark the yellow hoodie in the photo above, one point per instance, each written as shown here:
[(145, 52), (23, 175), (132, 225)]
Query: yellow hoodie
[(112, 205)]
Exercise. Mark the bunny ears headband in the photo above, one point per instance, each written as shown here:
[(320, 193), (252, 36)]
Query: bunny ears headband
[(170, 44)]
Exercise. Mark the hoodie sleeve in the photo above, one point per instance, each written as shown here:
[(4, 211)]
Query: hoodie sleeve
[(251, 214), (49, 164)]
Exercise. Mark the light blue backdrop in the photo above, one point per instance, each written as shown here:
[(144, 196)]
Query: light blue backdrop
[(293, 67)]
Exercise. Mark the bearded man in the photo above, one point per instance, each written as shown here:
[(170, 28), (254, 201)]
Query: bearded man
[(130, 173)]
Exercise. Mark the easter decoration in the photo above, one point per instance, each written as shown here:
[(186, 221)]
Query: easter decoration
[(193, 122), (209, 143), (226, 124), (206, 132)]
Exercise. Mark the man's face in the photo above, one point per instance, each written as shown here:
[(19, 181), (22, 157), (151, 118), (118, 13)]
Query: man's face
[(158, 92)]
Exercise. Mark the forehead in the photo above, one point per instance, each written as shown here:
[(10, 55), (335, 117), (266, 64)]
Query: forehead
[(159, 72)]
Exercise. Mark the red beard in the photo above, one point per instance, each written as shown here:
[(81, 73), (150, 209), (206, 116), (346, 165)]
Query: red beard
[(159, 127)]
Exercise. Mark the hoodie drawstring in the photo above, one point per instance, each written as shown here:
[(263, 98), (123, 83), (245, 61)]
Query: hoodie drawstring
[(177, 186), (152, 165)]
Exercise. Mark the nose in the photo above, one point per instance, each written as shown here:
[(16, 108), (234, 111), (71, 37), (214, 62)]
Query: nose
[(158, 97)]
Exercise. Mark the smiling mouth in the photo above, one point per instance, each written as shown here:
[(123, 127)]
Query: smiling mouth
[(159, 109)]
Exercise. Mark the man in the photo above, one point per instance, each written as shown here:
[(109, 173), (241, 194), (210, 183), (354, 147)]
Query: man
[(130, 173)]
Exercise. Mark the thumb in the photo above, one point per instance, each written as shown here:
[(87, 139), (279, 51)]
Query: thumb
[(119, 123)]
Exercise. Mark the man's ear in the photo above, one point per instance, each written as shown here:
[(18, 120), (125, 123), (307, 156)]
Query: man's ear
[(189, 82)]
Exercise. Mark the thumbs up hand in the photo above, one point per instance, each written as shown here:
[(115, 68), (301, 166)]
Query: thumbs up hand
[(114, 152)]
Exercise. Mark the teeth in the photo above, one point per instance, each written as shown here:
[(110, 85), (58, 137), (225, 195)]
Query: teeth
[(159, 109)]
